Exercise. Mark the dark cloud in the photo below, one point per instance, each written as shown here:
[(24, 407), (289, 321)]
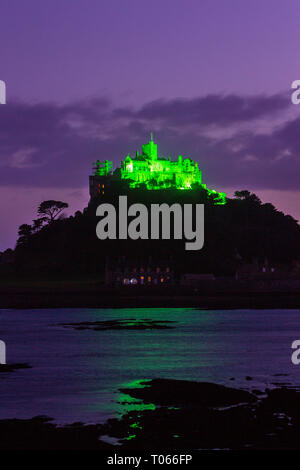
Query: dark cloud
[(47, 145), (212, 109)]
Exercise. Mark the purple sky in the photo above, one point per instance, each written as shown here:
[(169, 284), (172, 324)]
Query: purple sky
[(90, 79)]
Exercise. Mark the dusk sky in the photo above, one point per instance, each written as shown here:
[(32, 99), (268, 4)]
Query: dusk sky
[(89, 79)]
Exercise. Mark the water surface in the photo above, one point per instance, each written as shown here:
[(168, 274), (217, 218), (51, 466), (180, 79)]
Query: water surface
[(76, 374)]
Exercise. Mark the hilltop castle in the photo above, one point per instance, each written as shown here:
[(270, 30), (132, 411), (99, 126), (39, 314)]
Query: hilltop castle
[(153, 172)]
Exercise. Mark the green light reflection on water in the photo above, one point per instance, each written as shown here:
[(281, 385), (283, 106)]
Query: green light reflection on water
[(132, 436), (126, 403)]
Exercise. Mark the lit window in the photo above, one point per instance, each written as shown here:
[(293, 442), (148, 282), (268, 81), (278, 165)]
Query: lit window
[(161, 279), (149, 279)]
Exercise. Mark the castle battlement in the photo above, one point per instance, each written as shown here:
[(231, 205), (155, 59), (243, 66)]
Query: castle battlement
[(151, 171)]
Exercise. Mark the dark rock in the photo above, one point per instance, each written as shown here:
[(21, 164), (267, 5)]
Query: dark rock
[(13, 367), (39, 433), (186, 393), (128, 324)]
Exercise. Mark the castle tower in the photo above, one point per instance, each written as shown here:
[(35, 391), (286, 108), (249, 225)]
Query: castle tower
[(100, 178), (150, 149)]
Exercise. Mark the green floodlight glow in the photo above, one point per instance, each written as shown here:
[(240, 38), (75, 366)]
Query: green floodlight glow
[(155, 172), (103, 168)]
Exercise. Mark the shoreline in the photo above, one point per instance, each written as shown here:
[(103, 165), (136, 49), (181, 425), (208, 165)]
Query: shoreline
[(25, 299)]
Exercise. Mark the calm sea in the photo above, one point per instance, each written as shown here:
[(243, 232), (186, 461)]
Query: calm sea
[(76, 374)]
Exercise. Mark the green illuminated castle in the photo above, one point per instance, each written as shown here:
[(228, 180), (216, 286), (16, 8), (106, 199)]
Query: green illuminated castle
[(153, 172)]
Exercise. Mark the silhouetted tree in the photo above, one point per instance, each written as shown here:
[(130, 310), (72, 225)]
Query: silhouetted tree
[(38, 223), (235, 234), (244, 194), (24, 232), (50, 210)]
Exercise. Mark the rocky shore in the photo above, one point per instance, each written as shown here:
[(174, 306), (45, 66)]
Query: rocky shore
[(183, 415)]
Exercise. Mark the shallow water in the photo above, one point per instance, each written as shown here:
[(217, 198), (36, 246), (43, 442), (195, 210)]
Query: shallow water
[(76, 374)]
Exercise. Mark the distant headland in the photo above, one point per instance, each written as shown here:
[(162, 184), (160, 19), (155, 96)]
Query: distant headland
[(250, 257)]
